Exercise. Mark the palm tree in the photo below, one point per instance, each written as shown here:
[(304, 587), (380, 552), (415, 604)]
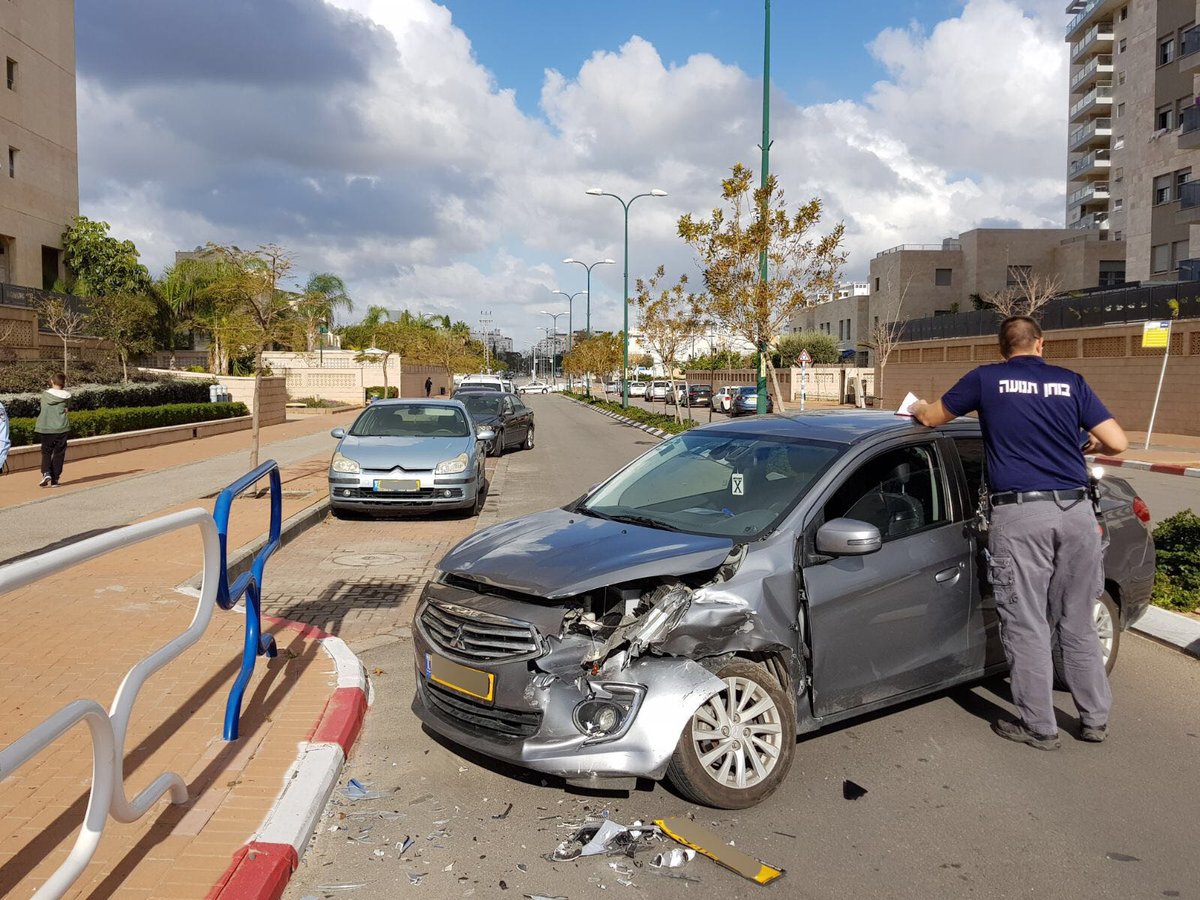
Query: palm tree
[(185, 291), (324, 294)]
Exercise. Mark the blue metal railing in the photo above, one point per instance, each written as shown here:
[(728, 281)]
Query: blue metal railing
[(248, 584)]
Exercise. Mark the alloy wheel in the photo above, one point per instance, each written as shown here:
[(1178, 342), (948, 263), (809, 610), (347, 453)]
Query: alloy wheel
[(737, 734)]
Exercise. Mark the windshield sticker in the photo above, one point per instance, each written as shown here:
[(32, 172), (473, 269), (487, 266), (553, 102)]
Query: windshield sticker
[(738, 485)]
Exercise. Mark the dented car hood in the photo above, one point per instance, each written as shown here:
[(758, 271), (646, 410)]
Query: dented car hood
[(556, 553)]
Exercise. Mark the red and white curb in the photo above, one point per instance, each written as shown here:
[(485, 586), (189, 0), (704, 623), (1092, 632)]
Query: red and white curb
[(261, 869), (1161, 468)]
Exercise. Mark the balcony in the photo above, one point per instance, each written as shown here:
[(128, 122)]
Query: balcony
[(1189, 203), (1098, 38), (1189, 128), (1189, 50), (1097, 65), (1093, 220), (1098, 97), (1086, 12), (1089, 193), (1095, 163), (1095, 133), (1189, 270)]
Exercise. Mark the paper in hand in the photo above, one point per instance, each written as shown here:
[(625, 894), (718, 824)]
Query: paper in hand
[(909, 399)]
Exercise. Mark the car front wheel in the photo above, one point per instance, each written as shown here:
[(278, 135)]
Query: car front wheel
[(738, 746), (528, 445), (497, 445)]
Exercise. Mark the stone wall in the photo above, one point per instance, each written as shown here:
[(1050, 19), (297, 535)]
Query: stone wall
[(337, 375), (1110, 357), (241, 389)]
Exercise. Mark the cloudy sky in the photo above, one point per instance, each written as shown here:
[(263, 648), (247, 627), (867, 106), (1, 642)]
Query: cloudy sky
[(436, 155)]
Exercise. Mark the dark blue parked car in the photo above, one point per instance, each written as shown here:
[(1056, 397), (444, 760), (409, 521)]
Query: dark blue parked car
[(745, 402)]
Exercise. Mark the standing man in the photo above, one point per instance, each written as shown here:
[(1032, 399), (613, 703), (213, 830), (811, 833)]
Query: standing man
[(428, 386), (1044, 545), (52, 429), (5, 440)]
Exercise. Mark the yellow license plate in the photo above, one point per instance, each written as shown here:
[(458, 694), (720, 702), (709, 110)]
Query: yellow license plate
[(472, 682), (395, 485)]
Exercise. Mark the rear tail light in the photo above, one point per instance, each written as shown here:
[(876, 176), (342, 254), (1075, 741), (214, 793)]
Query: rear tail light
[(1141, 510)]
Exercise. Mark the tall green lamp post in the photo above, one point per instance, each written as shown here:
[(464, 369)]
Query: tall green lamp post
[(597, 192), (570, 326), (599, 262), (761, 384)]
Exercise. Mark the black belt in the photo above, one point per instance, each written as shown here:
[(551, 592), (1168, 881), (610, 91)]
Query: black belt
[(1030, 496)]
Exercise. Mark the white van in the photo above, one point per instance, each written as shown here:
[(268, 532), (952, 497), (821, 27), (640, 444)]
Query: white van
[(485, 379)]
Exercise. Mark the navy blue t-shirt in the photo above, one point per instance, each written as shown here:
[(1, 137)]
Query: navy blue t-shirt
[(1031, 414)]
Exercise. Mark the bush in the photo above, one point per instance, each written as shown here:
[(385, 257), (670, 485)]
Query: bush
[(24, 376), (158, 393), (1177, 558), (376, 392), (93, 422), (655, 420)]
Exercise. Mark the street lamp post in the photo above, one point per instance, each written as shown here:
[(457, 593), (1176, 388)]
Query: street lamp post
[(570, 325), (599, 262), (554, 341), (597, 192)]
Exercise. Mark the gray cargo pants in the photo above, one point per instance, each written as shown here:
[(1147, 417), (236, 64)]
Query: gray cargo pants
[(1046, 572)]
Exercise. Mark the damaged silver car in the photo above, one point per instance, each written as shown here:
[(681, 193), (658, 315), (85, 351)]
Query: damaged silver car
[(732, 588)]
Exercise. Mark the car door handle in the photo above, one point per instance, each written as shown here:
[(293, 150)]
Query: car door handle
[(948, 575)]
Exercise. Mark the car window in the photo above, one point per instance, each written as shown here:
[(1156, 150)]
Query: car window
[(508, 405), (732, 485), (971, 455), (410, 420), (481, 403), (900, 492)]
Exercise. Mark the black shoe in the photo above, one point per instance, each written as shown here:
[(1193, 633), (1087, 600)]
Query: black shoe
[(45, 480), (1016, 731), (1093, 734)]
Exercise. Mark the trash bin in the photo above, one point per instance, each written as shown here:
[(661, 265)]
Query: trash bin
[(214, 393), (442, 391)]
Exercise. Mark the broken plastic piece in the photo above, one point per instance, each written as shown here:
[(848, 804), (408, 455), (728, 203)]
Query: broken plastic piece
[(710, 844), (852, 791), (356, 790), (404, 844), (504, 815), (675, 858)]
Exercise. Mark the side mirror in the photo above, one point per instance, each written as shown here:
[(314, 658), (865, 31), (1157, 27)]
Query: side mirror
[(848, 537), (338, 433), (485, 434)]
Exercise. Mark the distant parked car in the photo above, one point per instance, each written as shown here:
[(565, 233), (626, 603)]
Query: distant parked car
[(723, 399), (409, 454), (534, 387), (694, 395), (506, 415), (637, 388), (745, 402), (658, 390)]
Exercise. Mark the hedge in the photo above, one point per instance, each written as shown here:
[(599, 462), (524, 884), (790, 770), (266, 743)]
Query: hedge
[(23, 376), (376, 391), (94, 422), (1177, 562), (124, 396), (655, 420)]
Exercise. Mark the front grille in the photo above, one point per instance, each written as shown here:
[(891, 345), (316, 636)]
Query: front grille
[(479, 718), (429, 494), (483, 637)]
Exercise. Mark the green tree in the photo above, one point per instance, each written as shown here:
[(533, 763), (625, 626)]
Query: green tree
[(64, 318), (802, 263), (98, 264), (821, 347), (184, 288), (669, 319), (127, 321)]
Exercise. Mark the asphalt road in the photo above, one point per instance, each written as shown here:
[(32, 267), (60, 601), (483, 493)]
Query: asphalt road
[(950, 811)]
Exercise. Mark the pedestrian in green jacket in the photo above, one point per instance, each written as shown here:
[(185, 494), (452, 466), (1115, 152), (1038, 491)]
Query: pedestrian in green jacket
[(53, 429)]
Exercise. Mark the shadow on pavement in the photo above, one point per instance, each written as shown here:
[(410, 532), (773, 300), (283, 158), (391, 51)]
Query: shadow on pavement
[(64, 542), (329, 609)]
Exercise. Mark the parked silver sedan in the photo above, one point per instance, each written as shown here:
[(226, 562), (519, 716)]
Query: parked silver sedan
[(409, 454)]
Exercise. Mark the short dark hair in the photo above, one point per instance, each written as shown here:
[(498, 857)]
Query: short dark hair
[(58, 379), (1018, 334)]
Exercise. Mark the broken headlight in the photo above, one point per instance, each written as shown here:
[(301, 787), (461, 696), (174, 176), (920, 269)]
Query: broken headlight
[(608, 711)]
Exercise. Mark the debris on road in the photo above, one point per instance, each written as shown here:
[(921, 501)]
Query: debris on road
[(597, 838), (852, 791), (1121, 857), (356, 790), (675, 858), (504, 815), (709, 843)]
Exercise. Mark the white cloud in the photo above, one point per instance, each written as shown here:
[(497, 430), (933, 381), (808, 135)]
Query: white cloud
[(426, 186)]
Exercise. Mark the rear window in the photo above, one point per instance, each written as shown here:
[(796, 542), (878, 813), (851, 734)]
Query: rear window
[(415, 420)]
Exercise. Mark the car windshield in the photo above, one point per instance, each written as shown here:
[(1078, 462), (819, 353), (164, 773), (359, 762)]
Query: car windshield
[(481, 386), (481, 404), (714, 483), (410, 420), (747, 391)]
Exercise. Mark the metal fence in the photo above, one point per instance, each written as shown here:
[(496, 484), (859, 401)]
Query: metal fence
[(1118, 306)]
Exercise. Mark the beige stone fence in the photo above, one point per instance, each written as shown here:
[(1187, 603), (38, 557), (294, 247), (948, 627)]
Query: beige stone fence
[(241, 389), (834, 384), (339, 376)]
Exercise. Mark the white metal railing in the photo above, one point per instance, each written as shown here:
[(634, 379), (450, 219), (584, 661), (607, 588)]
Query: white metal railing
[(1097, 189), (1086, 131), (1083, 15), (1099, 157), (1095, 95), (107, 797), (1092, 68), (1101, 32)]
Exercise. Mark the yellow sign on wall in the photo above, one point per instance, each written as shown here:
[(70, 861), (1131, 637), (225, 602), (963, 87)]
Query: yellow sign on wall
[(1156, 334)]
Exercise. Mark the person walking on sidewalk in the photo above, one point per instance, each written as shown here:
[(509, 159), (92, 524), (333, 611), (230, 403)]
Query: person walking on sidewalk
[(1043, 544), (5, 440), (53, 428), (428, 386)]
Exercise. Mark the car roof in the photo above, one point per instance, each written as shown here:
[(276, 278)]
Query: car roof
[(839, 426), (420, 401)]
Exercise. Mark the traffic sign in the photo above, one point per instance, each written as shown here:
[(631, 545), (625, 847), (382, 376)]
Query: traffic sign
[(1156, 334), (804, 359)]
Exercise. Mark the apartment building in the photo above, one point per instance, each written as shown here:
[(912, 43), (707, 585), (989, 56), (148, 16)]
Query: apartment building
[(1134, 130), (40, 174)]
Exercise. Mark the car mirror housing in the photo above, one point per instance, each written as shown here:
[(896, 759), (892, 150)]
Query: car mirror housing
[(338, 433), (848, 537), (485, 434)]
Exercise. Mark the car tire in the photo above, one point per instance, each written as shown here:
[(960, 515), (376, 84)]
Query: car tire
[(708, 783), (1108, 626), (497, 445), (528, 443)]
